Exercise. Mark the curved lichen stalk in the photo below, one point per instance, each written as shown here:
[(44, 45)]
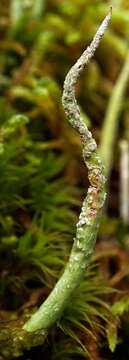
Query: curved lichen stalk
[(90, 215)]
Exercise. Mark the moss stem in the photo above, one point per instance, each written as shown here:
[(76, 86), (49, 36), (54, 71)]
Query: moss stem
[(110, 126)]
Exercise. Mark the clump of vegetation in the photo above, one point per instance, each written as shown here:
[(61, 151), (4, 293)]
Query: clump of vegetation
[(40, 155)]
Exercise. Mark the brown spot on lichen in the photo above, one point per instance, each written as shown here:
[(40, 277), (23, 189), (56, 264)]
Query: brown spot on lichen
[(83, 138), (95, 177)]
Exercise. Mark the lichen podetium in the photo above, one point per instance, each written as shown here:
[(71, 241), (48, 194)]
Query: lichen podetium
[(91, 211)]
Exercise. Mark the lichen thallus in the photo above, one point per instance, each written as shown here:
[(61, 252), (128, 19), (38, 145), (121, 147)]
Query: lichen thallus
[(90, 216)]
